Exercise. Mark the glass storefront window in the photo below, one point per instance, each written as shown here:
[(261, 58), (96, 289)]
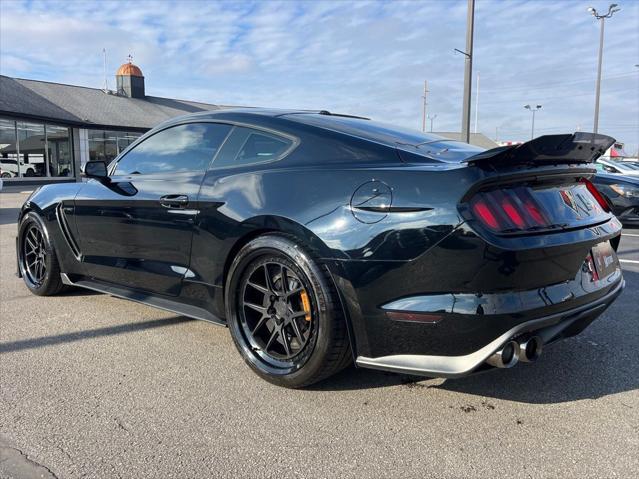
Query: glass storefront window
[(31, 148), (59, 150), (9, 166), (105, 145), (35, 150)]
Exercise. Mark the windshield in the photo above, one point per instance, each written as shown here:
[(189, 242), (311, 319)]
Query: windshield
[(623, 166)]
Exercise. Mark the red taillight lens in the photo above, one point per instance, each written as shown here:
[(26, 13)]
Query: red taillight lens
[(507, 210), (513, 214), (597, 195), (534, 213), (483, 212)]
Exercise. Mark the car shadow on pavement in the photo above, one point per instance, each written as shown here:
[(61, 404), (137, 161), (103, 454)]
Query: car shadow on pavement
[(78, 292), (33, 343), (602, 361)]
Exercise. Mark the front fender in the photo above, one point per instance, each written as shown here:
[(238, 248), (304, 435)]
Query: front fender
[(45, 201)]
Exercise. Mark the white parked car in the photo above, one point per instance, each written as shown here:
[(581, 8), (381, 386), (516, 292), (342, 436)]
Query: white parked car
[(10, 168)]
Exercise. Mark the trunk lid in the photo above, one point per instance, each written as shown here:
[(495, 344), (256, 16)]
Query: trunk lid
[(538, 187)]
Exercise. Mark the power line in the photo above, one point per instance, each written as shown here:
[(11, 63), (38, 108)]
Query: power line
[(510, 100), (544, 86)]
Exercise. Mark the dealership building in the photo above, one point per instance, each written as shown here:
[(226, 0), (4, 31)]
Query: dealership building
[(49, 130)]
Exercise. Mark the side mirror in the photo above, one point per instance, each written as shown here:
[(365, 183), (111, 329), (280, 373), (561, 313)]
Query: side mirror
[(95, 169)]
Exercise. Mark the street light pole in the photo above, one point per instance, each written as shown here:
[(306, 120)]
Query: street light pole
[(611, 10), (599, 62), (533, 110), (431, 118)]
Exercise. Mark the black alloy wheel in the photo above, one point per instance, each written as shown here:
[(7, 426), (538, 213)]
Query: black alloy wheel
[(37, 258), (34, 255), (284, 313), (275, 312)]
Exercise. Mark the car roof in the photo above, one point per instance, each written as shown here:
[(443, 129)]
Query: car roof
[(347, 124)]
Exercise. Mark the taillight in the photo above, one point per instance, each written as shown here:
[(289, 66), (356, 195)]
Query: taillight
[(534, 213), (509, 210), (513, 214), (519, 209), (597, 195), (482, 211)]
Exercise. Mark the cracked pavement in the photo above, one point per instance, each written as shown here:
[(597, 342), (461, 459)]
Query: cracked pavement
[(93, 386)]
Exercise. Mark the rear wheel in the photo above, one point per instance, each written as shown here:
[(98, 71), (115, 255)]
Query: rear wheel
[(37, 260), (284, 313)]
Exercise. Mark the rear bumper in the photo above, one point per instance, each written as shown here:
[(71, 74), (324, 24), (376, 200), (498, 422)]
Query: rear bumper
[(550, 328)]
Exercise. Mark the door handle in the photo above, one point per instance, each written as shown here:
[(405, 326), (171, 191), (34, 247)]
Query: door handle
[(174, 201)]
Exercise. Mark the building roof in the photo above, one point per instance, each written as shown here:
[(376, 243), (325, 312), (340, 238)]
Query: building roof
[(88, 107), (129, 69), (477, 139)]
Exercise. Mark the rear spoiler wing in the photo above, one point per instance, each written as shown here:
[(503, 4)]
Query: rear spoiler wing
[(548, 149)]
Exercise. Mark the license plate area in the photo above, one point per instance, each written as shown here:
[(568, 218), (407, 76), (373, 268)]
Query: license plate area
[(604, 259)]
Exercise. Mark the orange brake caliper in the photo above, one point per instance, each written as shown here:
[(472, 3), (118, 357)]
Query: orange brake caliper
[(306, 304)]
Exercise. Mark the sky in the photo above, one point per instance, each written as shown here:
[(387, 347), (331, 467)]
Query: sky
[(367, 58)]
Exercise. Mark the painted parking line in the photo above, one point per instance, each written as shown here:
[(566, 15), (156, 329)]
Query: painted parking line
[(633, 261), (628, 234)]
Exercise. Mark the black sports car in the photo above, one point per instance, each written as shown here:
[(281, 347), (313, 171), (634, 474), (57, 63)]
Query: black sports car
[(320, 239), (623, 194)]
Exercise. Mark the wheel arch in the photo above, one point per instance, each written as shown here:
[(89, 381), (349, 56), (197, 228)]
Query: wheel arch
[(306, 238), (260, 225)]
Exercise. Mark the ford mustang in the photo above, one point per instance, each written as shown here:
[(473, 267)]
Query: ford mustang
[(322, 239)]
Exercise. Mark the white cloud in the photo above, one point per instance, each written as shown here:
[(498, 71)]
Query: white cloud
[(363, 57)]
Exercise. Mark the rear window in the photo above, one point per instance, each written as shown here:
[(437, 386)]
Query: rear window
[(421, 146), (369, 129)]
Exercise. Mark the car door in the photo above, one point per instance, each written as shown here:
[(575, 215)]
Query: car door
[(136, 228), (231, 192)]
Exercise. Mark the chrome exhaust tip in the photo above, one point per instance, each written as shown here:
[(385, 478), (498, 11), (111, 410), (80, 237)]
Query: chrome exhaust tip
[(530, 349), (506, 357)]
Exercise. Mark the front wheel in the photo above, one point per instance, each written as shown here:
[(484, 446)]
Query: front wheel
[(284, 313), (37, 259)]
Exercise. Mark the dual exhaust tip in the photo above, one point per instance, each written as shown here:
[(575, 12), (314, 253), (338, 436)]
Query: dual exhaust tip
[(527, 351)]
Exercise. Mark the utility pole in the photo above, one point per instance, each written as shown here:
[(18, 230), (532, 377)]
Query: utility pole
[(611, 10), (477, 103), (468, 72), (425, 98)]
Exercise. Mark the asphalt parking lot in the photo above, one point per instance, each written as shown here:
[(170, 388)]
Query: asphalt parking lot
[(93, 386)]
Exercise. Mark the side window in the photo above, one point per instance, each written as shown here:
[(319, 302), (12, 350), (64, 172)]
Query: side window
[(188, 147), (246, 146)]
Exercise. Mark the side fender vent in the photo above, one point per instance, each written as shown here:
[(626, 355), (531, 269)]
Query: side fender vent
[(66, 232)]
